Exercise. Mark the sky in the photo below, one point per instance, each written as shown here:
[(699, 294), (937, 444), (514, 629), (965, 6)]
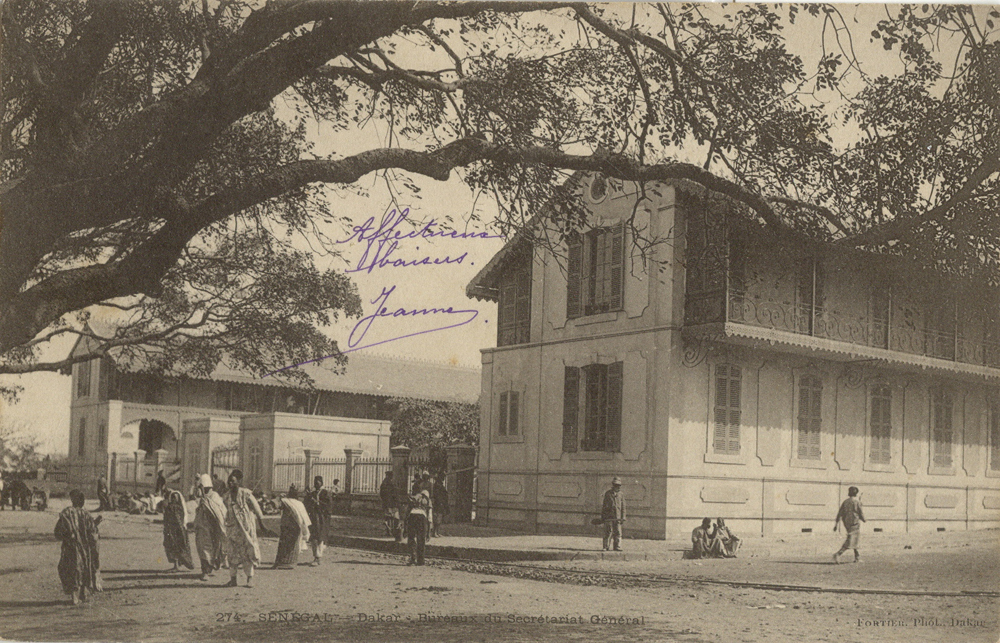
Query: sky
[(43, 408)]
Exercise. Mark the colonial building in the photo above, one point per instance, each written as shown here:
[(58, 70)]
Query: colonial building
[(722, 371), (175, 424)]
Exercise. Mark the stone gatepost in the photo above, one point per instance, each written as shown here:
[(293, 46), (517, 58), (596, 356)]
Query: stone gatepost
[(400, 473), (140, 457), (350, 456), (461, 479), (311, 455)]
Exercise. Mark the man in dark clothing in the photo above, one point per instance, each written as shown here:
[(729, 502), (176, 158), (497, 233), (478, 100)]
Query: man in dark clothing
[(613, 514), (416, 525), (852, 516), (387, 493), (439, 498), (103, 497), (161, 482), (318, 504), (219, 485)]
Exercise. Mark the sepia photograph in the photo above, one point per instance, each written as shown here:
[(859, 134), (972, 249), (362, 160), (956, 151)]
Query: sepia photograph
[(499, 320)]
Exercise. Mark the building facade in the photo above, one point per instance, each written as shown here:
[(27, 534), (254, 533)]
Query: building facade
[(176, 423), (723, 371)]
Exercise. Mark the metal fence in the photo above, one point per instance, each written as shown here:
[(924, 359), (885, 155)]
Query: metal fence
[(224, 460), (331, 469), (288, 472), (367, 474)]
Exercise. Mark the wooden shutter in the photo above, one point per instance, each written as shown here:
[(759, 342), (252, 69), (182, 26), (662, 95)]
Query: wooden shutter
[(514, 408), (614, 410), (574, 269), (810, 419), (522, 305), (571, 408), (506, 313), (721, 410), (502, 420), (735, 411), (728, 417), (617, 266), (995, 436)]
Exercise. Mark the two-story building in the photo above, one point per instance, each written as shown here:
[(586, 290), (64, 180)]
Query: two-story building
[(721, 371)]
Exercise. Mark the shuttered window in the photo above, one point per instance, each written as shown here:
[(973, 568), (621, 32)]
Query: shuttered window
[(880, 425), (514, 309), (941, 414), (595, 271), (810, 418), (599, 388), (726, 438), (995, 435), (83, 379), (571, 409), (83, 436), (508, 413)]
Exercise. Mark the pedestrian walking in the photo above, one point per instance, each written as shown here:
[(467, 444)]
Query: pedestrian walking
[(613, 514), (209, 528), (852, 516), (175, 535), (294, 536), (416, 525), (319, 505), (242, 514), (80, 560)]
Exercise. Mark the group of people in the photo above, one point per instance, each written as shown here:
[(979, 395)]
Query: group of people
[(17, 494), (714, 541), (417, 515)]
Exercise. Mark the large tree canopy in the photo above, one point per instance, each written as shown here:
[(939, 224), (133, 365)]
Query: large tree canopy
[(157, 169)]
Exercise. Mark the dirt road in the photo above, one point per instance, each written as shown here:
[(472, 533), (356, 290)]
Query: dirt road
[(372, 597)]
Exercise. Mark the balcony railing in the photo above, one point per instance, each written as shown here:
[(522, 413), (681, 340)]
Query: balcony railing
[(706, 308)]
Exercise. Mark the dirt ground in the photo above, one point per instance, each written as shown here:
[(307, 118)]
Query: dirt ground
[(375, 597)]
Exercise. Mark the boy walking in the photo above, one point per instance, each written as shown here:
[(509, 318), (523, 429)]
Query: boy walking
[(852, 516)]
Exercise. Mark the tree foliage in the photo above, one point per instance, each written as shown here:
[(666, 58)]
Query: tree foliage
[(157, 168), (19, 449), (435, 425)]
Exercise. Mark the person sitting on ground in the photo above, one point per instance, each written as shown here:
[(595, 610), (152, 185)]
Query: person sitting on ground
[(103, 496), (700, 543), (723, 543)]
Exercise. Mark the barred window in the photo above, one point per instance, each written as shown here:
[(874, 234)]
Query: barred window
[(810, 417), (941, 415), (880, 425), (726, 439)]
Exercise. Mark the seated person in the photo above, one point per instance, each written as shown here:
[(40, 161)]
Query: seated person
[(700, 542), (723, 543)]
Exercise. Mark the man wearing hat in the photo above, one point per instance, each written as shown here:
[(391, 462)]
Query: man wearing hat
[(852, 516), (613, 514)]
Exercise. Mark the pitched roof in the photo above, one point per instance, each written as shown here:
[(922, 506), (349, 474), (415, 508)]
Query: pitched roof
[(372, 374)]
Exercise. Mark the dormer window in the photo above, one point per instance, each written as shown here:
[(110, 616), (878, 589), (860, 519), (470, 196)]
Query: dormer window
[(596, 271)]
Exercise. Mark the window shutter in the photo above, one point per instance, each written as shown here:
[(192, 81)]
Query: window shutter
[(522, 306), (512, 423), (721, 412), (506, 313), (571, 408), (502, 425), (574, 270), (995, 436), (735, 415), (617, 266), (614, 411)]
